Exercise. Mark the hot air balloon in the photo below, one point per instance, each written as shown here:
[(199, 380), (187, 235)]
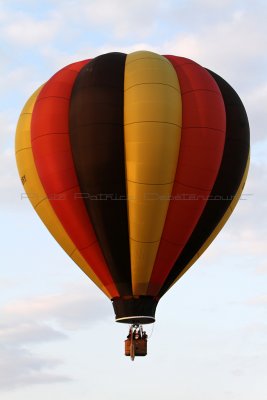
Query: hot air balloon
[(134, 163)]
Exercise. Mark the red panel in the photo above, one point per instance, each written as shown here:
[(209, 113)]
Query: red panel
[(201, 149), (196, 169), (77, 66), (61, 83), (54, 155), (187, 202), (194, 76), (203, 109), (54, 163), (50, 115)]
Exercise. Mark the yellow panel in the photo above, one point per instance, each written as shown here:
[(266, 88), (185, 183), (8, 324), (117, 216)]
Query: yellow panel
[(23, 137), (152, 102), (36, 194), (159, 138), (148, 205), (23, 140), (219, 226), (28, 175), (144, 55), (152, 119), (145, 254)]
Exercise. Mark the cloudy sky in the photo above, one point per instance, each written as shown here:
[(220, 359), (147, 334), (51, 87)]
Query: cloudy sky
[(57, 335)]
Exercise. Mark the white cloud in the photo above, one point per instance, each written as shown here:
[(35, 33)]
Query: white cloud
[(256, 102), (7, 129), (262, 269), (28, 332), (24, 30), (36, 321), (120, 19), (256, 328), (71, 310), (258, 300), (9, 181), (20, 367), (210, 4), (10, 185), (16, 81)]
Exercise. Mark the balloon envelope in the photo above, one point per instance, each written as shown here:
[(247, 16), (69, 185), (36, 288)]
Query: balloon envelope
[(134, 163)]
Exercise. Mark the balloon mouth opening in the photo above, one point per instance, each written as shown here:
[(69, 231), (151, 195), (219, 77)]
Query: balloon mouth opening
[(135, 310), (136, 319)]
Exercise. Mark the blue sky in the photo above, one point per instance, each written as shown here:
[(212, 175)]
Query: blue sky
[(57, 332)]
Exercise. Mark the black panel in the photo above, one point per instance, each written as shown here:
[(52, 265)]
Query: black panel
[(97, 140), (235, 156), (135, 310)]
